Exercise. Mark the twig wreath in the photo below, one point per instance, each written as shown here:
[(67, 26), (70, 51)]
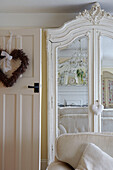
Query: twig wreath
[(16, 54)]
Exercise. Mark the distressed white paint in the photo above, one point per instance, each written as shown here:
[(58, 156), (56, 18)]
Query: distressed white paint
[(91, 23)]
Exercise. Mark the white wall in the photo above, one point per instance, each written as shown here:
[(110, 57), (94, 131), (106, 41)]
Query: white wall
[(42, 20)]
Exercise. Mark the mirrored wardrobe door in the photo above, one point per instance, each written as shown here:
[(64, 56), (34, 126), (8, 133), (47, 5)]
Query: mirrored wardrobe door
[(72, 82), (70, 87), (106, 56)]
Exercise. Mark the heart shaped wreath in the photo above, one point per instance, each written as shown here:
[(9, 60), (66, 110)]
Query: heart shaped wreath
[(16, 54)]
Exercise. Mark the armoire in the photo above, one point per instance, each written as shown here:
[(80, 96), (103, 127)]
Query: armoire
[(80, 76)]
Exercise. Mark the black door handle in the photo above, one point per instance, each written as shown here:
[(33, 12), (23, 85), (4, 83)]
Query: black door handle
[(35, 87)]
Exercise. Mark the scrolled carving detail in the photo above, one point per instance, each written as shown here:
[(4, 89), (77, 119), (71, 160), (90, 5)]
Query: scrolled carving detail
[(95, 14)]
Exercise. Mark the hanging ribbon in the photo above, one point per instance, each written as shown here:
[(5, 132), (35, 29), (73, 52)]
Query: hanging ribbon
[(5, 63), (8, 47), (3, 43)]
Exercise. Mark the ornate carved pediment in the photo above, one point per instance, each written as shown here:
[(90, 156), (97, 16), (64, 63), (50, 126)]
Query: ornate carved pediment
[(95, 14)]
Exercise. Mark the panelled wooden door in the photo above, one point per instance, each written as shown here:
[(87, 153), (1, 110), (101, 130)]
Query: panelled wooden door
[(20, 106)]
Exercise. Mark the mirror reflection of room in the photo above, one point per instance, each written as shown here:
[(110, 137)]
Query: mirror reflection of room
[(73, 87), (106, 55), (73, 74), (107, 71)]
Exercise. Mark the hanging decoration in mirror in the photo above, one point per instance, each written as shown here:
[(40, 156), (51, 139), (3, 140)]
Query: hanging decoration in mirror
[(5, 59), (73, 64)]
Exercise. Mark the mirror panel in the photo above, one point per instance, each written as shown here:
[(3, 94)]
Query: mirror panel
[(106, 55), (73, 87)]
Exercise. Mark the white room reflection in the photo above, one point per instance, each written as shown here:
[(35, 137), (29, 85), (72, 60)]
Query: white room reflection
[(73, 74), (107, 71), (106, 55), (73, 87)]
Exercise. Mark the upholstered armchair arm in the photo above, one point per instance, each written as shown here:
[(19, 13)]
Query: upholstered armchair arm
[(59, 166)]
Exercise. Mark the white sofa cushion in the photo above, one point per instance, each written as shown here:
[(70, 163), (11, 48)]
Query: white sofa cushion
[(70, 147), (58, 166), (94, 158)]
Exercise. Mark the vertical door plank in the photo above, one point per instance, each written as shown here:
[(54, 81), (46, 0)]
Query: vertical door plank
[(1, 132), (10, 131), (27, 131)]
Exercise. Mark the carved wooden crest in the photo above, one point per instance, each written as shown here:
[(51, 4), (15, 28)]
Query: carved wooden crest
[(95, 14)]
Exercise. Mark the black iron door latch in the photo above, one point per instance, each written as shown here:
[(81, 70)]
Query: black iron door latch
[(35, 87)]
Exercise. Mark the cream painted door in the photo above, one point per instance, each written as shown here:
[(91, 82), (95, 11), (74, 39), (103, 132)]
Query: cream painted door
[(20, 107)]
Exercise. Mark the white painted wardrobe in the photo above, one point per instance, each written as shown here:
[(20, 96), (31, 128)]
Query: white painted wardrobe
[(80, 76)]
